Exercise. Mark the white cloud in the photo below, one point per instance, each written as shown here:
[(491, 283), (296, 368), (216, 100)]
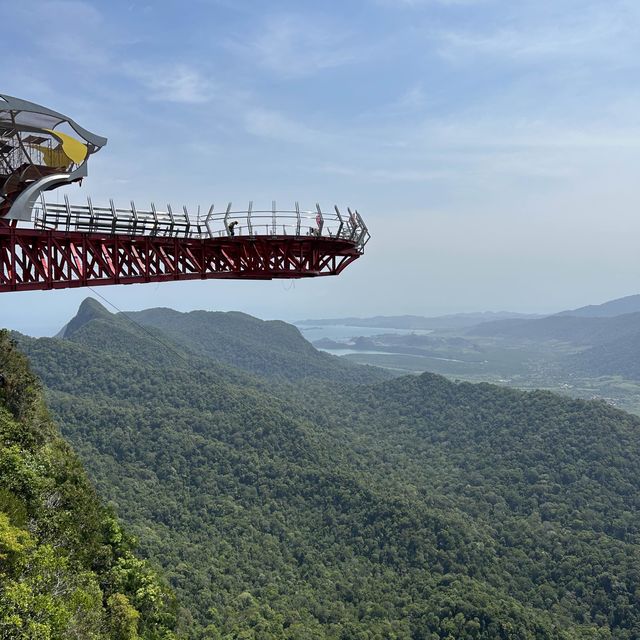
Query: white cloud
[(388, 174), (504, 132), (75, 30), (589, 34), (268, 123), (413, 99), (172, 82), (294, 46)]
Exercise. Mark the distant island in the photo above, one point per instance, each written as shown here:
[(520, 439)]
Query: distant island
[(408, 322)]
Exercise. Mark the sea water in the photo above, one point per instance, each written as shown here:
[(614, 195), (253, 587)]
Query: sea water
[(346, 333)]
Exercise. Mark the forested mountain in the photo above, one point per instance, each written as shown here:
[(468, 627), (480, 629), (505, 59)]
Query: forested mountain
[(413, 508), (66, 567), (610, 343), (617, 357), (618, 307), (609, 309), (576, 330), (272, 348)]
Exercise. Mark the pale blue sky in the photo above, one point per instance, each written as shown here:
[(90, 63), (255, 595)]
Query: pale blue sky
[(493, 146)]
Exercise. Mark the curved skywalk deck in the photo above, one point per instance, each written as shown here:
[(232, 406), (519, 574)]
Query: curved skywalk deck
[(228, 223), (67, 245)]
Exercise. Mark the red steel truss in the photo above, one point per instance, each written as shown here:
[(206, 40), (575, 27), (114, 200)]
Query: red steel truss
[(33, 259)]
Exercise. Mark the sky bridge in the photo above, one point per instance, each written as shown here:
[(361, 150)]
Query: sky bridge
[(47, 245)]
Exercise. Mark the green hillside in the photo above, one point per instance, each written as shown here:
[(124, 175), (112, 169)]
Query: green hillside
[(272, 348), (618, 357), (66, 568), (628, 304), (577, 330), (414, 508), (609, 345)]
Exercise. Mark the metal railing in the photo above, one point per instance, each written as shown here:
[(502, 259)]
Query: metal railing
[(214, 224)]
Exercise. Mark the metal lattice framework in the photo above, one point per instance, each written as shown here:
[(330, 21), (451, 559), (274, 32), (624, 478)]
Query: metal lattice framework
[(35, 259), (45, 245)]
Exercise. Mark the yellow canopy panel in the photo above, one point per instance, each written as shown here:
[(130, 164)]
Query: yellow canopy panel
[(75, 150)]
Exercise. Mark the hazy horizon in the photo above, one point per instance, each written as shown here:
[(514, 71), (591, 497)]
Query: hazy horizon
[(51, 325)]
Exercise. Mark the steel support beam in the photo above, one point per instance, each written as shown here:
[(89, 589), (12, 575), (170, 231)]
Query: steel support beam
[(32, 259)]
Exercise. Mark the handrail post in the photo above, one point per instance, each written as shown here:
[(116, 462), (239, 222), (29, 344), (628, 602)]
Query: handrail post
[(365, 231), (44, 209), (298, 218), (274, 230), (187, 220), (156, 222), (68, 208), (319, 219), (339, 234), (114, 216), (91, 214), (249, 225), (207, 219), (173, 222), (353, 224), (135, 217)]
